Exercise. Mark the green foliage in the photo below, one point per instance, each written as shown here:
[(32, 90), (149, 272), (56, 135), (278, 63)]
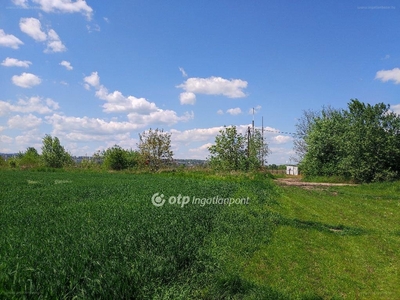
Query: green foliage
[(155, 149), (361, 143), (29, 159), (116, 158), (54, 155), (3, 163), (235, 151)]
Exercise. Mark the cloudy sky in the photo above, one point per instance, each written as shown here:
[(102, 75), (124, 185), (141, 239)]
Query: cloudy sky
[(98, 73)]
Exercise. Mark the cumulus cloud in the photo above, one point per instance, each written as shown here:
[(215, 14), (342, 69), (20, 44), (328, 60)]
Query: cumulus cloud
[(389, 75), (86, 125), (232, 88), (26, 80), (281, 139), (234, 111), (33, 28), (220, 112), (139, 110), (31, 105), (54, 43), (187, 98), (66, 64), (92, 80), (24, 122), (13, 62), (9, 40), (60, 6)]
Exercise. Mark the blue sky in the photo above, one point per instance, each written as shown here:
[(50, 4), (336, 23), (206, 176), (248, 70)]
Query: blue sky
[(96, 74)]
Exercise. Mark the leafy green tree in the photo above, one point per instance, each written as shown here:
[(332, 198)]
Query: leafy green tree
[(116, 158), (155, 148), (235, 151), (54, 155), (361, 143), (30, 158)]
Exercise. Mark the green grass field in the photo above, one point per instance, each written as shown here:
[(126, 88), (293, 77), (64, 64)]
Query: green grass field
[(78, 235)]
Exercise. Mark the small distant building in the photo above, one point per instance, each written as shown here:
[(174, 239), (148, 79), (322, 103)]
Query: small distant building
[(292, 170)]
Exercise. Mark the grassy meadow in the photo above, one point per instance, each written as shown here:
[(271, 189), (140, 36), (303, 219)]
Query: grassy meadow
[(93, 235)]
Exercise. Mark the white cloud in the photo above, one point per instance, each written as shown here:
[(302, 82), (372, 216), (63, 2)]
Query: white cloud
[(281, 139), (22, 3), (65, 6), (254, 109), (160, 116), (13, 62), (9, 40), (220, 112), (187, 98), (94, 27), (66, 64), (106, 19), (24, 122), (31, 105), (6, 139), (184, 74), (26, 80), (33, 28), (215, 86), (195, 135), (395, 108), (92, 80), (387, 75), (234, 111), (90, 129), (31, 138), (140, 111), (54, 43)]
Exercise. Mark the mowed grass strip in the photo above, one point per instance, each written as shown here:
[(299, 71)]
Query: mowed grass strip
[(335, 243)]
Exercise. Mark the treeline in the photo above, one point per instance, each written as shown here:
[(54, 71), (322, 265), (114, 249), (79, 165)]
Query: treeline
[(154, 152), (360, 143), (232, 151)]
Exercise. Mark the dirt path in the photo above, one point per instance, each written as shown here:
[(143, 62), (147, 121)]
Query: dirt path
[(296, 181)]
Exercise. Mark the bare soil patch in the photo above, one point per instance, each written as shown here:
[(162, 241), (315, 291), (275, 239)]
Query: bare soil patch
[(296, 181)]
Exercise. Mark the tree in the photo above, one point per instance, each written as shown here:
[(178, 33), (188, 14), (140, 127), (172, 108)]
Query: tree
[(30, 158), (155, 148), (361, 143), (235, 151), (54, 155), (116, 158), (303, 127)]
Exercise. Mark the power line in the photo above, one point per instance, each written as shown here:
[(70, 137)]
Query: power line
[(282, 132)]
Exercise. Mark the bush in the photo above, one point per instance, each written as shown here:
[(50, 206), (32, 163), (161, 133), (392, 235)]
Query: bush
[(116, 158)]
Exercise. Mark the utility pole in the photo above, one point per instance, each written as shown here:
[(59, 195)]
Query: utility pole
[(262, 141), (253, 121)]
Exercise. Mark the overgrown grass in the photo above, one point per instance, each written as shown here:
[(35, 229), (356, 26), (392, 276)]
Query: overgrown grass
[(88, 235)]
